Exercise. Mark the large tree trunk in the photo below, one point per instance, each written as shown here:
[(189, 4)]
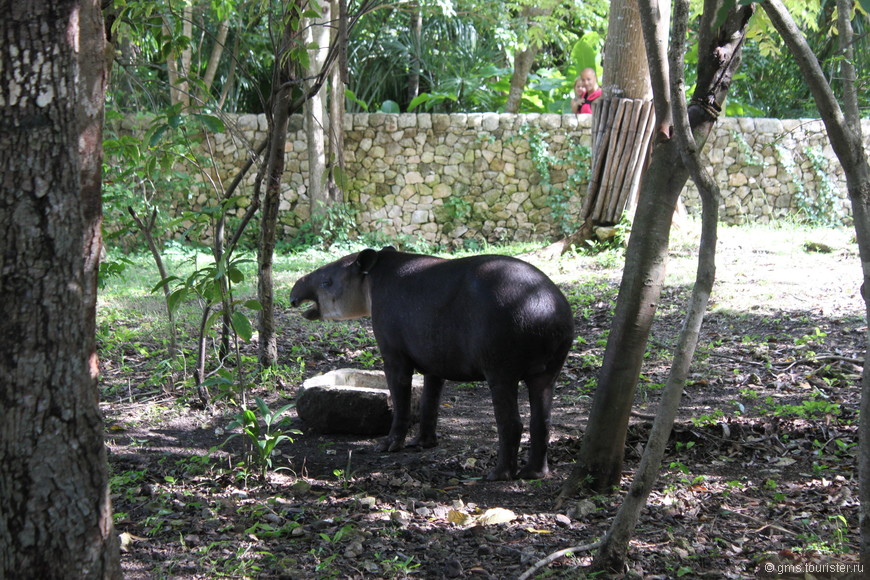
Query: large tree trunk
[(614, 548), (601, 453), (55, 513), (844, 131)]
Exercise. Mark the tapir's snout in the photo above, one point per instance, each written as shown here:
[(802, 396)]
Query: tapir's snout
[(300, 294), (339, 290)]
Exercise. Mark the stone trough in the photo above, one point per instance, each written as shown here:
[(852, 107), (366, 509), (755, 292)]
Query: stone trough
[(351, 401)]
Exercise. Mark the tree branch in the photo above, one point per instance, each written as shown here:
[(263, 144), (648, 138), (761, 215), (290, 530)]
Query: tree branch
[(656, 55), (843, 138)]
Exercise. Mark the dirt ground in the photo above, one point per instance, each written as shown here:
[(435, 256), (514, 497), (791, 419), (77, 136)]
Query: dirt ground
[(759, 479)]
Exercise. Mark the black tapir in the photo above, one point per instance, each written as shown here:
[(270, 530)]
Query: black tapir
[(467, 319)]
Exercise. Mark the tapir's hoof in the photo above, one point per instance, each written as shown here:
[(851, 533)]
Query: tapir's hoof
[(424, 442), (388, 444), (526, 473), (499, 475)]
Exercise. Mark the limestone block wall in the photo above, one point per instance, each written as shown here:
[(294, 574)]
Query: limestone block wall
[(442, 179)]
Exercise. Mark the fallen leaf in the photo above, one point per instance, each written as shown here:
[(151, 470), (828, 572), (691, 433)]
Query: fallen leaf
[(127, 540), (459, 518), (494, 516)]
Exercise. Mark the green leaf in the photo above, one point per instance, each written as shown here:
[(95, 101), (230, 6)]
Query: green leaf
[(261, 405), (157, 135), (273, 418), (253, 304), (235, 275), (212, 123), (389, 106), (242, 326), (419, 100), (584, 54), (176, 298), (160, 285), (212, 318), (175, 121), (340, 177), (351, 96)]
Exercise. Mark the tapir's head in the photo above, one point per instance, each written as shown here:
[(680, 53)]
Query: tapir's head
[(340, 290)]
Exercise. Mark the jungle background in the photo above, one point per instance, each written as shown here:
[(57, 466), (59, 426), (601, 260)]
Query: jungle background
[(210, 472)]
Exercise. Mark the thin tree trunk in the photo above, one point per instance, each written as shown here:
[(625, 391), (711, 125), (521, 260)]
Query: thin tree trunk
[(336, 103), (415, 17), (55, 512), (178, 65), (214, 59), (186, 56), (268, 227), (147, 232), (280, 113), (231, 77), (94, 64), (601, 453), (523, 61), (171, 68), (613, 552), (844, 131), (317, 35)]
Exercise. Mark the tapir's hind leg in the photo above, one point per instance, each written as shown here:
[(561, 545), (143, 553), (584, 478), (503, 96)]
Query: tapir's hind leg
[(399, 374), (540, 403), (429, 402), (510, 427)]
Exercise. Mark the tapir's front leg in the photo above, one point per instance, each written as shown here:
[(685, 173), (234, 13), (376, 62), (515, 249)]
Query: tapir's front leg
[(399, 376)]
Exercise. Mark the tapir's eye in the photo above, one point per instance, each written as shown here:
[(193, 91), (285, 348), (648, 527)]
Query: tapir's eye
[(326, 283)]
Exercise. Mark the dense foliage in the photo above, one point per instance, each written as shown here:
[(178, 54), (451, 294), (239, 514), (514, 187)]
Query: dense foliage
[(442, 56)]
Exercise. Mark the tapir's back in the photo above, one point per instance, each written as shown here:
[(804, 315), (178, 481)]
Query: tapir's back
[(460, 318)]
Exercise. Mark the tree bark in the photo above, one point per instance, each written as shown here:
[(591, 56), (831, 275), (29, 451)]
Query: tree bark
[(95, 61), (844, 132), (601, 453), (268, 227), (214, 60), (626, 72), (523, 61), (55, 513)]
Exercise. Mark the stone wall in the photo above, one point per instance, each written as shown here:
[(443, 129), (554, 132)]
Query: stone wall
[(443, 179)]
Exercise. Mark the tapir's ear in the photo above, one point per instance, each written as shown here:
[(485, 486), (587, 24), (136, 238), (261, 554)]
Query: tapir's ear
[(388, 249), (366, 260)]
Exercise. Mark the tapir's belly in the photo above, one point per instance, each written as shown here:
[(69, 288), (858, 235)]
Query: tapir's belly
[(465, 352)]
